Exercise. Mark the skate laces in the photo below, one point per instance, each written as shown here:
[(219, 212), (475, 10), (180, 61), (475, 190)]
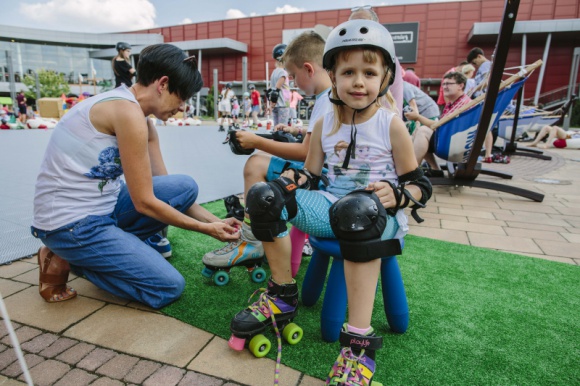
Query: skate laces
[(229, 246), (262, 305), (346, 370)]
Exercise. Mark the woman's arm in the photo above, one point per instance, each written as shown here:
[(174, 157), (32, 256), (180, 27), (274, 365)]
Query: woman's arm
[(132, 133)]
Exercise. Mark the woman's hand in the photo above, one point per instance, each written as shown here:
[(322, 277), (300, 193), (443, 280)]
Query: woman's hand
[(222, 231), (234, 222), (384, 192)]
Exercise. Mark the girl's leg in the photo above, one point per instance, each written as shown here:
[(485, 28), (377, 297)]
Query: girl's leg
[(361, 285)]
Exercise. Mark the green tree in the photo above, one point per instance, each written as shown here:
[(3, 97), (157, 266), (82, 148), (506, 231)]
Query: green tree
[(52, 84), (209, 102)]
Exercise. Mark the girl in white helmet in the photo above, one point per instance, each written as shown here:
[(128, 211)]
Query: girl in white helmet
[(372, 175)]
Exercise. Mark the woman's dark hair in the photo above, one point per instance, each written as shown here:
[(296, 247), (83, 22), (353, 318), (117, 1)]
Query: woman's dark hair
[(160, 60)]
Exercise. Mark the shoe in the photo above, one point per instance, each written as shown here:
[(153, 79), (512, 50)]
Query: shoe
[(307, 248), (221, 128), (501, 159), (160, 244), (52, 287), (488, 160), (238, 252)]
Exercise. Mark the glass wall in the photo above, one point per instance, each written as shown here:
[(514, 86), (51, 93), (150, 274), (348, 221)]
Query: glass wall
[(70, 61)]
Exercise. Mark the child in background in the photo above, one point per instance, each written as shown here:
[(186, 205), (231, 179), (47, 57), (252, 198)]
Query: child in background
[(373, 175), (247, 103), (303, 60), (235, 110)]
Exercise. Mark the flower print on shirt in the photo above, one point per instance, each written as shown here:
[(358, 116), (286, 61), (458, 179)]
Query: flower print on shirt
[(109, 167)]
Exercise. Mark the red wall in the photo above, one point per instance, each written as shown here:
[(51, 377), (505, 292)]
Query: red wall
[(443, 32)]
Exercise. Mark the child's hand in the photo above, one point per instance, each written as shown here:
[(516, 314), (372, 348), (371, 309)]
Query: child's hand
[(412, 115), (384, 192), (247, 139), (288, 129)]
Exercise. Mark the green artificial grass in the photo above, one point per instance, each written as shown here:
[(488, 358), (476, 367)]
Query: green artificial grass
[(477, 316)]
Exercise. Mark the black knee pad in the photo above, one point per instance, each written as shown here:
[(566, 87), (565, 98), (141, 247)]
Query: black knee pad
[(264, 204), (358, 221)]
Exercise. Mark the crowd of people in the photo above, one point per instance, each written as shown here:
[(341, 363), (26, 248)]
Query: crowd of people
[(358, 159)]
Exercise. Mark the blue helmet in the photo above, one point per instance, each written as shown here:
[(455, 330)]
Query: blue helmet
[(121, 46)]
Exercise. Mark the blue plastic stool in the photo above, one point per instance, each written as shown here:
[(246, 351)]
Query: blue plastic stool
[(335, 299)]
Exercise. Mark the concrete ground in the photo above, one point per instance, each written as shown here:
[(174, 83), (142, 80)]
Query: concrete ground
[(99, 339)]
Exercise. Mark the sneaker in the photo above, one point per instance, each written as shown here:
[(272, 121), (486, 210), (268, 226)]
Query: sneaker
[(236, 252), (501, 159), (307, 249), (160, 244)]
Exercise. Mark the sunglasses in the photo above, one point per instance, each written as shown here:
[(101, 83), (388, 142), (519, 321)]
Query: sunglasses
[(192, 60), (363, 7)]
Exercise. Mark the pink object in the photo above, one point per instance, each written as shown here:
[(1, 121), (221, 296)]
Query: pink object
[(297, 237), (236, 343)]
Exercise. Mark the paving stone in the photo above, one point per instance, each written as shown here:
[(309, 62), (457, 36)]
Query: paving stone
[(6, 358), (109, 382), (96, 359), (142, 370), (47, 373), (39, 343), (3, 347), (193, 378), (9, 287), (58, 347), (4, 330), (166, 375), (76, 377), (76, 353), (23, 334), (118, 367), (15, 370)]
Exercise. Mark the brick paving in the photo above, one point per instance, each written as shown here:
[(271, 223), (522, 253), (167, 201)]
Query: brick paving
[(548, 230)]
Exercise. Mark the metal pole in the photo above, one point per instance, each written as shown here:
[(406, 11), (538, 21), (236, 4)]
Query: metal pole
[(197, 112), (523, 61), (572, 85), (36, 77), (543, 69), (11, 80), (215, 93), (244, 74)]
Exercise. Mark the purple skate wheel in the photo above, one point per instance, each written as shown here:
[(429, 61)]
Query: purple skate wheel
[(236, 343)]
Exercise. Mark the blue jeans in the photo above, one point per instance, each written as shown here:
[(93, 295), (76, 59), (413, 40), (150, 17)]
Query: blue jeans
[(109, 251)]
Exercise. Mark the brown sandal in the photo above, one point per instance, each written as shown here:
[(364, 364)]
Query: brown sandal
[(52, 287)]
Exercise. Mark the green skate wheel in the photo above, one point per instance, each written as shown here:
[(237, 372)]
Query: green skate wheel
[(259, 346), (221, 278), (292, 333), (258, 275)]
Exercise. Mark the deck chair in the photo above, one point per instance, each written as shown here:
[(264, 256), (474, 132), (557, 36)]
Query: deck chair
[(462, 166), (529, 123)]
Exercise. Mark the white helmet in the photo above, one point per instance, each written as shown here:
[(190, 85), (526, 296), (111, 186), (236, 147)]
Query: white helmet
[(360, 33)]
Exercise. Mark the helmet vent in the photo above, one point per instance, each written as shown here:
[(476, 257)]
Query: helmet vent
[(342, 32), (364, 30)]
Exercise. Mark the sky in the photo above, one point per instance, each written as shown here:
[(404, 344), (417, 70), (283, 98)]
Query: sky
[(98, 16)]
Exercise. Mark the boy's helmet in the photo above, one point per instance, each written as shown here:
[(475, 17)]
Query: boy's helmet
[(121, 46), (228, 85), (360, 33), (278, 51), (252, 87)]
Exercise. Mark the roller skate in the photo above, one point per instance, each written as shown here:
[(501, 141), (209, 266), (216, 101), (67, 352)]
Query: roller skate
[(276, 307), (355, 365), (247, 252)]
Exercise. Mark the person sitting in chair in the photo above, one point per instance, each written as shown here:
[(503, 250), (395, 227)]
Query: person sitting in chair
[(423, 140)]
